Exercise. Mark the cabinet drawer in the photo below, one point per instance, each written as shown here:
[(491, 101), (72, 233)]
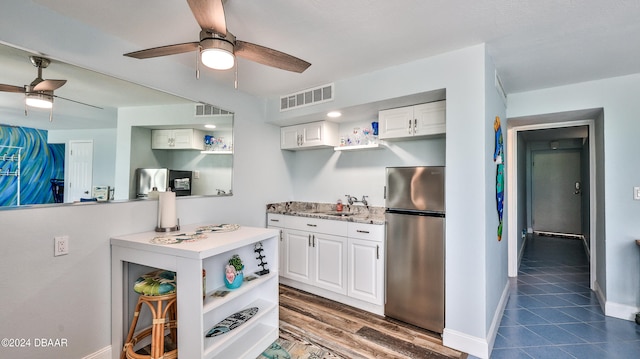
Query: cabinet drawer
[(372, 232), (316, 225), (275, 220)]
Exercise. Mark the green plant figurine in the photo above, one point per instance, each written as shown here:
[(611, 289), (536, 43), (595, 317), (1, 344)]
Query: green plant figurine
[(233, 272)]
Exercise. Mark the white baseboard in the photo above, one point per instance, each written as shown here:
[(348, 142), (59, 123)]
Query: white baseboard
[(620, 311), (616, 310), (104, 353), (465, 343)]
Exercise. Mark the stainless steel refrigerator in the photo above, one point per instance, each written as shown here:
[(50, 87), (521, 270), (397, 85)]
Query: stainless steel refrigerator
[(415, 246), (161, 179)]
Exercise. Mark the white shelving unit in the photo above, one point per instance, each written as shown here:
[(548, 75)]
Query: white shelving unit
[(195, 315)]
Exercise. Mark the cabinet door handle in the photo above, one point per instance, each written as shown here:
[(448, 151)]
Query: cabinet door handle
[(281, 235), (377, 251), (409, 129), (312, 225), (274, 220), (313, 240), (309, 240), (415, 125), (361, 231)]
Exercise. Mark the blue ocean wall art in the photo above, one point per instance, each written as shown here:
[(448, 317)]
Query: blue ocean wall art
[(40, 162)]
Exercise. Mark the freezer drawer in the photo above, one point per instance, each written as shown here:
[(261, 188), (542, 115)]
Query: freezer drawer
[(415, 270)]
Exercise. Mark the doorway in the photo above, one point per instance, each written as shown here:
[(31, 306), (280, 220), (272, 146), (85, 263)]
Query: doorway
[(556, 192), (80, 176), (536, 136)]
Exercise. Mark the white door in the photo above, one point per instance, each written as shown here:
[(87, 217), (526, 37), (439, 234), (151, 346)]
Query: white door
[(556, 200), (329, 260), (80, 174), (289, 137), (312, 134), (430, 118), (396, 123), (296, 263), (365, 270)]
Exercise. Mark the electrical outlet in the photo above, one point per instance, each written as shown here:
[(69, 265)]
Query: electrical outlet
[(60, 246), (636, 193)]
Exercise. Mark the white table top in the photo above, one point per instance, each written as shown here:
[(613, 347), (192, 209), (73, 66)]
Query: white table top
[(213, 244)]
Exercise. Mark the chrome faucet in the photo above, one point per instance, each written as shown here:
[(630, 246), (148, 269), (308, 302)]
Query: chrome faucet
[(352, 200)]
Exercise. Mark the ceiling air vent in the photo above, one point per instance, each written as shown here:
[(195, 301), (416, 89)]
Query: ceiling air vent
[(307, 97), (203, 109)]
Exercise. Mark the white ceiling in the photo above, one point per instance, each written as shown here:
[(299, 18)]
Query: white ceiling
[(534, 44)]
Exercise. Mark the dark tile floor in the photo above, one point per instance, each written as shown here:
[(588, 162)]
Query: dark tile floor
[(552, 313)]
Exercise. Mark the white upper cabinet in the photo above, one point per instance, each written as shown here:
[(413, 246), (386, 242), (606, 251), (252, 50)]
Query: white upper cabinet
[(178, 139), (309, 136), (413, 121)]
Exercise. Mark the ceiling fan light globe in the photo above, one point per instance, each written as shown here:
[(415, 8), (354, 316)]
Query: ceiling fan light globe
[(217, 54), (39, 101), (217, 59)]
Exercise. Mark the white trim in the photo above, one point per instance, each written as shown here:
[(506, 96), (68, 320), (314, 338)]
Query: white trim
[(512, 185), (600, 295), (104, 353), (621, 311), (497, 316), (466, 343)]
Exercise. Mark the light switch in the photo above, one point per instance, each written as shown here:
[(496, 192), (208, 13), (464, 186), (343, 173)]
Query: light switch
[(196, 174), (636, 193)]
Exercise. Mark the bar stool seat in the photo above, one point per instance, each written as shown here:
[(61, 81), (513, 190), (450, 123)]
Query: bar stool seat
[(158, 291)]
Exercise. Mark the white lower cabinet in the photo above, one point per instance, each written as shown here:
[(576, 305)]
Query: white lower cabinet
[(366, 262), (342, 261), (276, 221)]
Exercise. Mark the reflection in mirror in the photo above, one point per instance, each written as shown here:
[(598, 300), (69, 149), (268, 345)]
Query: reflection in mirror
[(86, 119), (193, 159)]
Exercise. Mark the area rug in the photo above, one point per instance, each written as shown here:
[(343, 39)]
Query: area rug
[(289, 346)]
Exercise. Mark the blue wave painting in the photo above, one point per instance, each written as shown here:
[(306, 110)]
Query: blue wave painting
[(39, 163)]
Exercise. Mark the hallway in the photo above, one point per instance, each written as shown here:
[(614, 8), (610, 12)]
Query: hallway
[(552, 313)]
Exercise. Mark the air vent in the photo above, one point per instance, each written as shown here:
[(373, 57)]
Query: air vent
[(500, 88), (203, 109), (307, 97)]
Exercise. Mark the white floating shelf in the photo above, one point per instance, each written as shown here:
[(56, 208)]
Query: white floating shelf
[(358, 147), (216, 152)]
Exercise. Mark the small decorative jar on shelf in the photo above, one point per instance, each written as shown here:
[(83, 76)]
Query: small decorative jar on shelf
[(234, 276)]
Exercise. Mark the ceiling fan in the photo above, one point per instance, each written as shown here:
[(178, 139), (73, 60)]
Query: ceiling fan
[(39, 93), (218, 47)]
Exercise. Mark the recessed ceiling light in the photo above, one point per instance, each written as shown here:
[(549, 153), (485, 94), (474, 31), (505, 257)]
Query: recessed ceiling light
[(210, 126), (334, 114)]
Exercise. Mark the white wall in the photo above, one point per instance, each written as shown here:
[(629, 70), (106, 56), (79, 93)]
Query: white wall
[(325, 175), (104, 151), (617, 219), (470, 295), (78, 285)]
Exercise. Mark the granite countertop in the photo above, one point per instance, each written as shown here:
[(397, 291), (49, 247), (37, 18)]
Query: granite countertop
[(356, 213)]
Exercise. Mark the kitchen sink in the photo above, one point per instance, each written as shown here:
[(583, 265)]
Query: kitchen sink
[(339, 214)]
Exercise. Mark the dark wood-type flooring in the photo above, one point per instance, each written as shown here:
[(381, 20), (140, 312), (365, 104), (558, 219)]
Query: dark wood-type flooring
[(348, 332)]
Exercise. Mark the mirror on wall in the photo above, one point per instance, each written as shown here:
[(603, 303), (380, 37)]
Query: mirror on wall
[(108, 125)]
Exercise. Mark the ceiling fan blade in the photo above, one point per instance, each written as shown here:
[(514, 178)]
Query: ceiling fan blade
[(210, 15), (164, 50), (270, 57), (11, 88), (49, 85), (81, 103)]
